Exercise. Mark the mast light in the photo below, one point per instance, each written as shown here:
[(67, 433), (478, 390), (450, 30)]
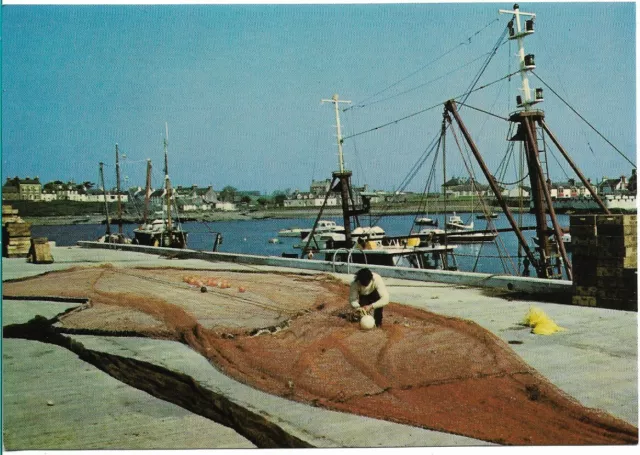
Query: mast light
[(529, 26), (529, 61)]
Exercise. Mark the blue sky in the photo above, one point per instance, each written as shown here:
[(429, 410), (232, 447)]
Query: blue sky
[(241, 87)]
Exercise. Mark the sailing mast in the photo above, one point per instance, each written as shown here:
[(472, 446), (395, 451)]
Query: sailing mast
[(106, 205), (526, 119), (167, 182), (342, 175), (147, 194), (118, 190)]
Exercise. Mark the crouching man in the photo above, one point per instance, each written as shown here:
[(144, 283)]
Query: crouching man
[(369, 291)]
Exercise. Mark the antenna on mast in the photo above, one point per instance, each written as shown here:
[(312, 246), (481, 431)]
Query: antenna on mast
[(527, 61), (166, 146), (335, 102)]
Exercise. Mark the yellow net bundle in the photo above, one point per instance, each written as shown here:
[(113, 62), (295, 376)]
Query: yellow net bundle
[(541, 323)]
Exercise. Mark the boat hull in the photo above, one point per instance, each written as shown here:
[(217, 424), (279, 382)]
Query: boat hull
[(173, 239)]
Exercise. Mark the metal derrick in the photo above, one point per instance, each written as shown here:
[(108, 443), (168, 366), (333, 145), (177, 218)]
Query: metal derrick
[(527, 120)]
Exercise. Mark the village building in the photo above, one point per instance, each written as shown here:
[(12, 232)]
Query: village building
[(97, 195), (226, 206), (632, 185), (612, 186), (521, 192), (193, 198), (457, 187), (17, 189), (317, 193), (308, 199)]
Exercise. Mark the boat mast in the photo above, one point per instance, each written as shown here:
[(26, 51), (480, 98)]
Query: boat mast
[(147, 194), (527, 118), (104, 194), (167, 182), (118, 190), (343, 175)]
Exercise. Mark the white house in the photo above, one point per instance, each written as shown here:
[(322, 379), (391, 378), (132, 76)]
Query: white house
[(612, 186), (516, 193), (310, 199), (226, 206)]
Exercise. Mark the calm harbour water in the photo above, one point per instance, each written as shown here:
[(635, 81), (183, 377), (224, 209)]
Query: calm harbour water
[(252, 236)]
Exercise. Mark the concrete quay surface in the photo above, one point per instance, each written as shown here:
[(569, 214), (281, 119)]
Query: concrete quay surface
[(79, 407)]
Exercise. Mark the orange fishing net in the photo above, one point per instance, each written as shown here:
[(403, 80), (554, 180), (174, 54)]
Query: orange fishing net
[(290, 335)]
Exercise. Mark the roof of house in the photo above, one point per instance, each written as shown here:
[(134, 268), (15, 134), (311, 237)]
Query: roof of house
[(468, 187), (610, 182), (26, 181)]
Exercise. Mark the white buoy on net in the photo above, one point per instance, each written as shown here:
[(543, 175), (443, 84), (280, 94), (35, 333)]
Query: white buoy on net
[(366, 321)]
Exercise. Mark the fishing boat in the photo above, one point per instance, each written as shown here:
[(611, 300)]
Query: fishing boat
[(291, 232), (529, 136), (322, 226), (370, 244), (456, 222), (320, 240), (487, 216), (442, 236), (109, 237), (426, 221), (163, 232)]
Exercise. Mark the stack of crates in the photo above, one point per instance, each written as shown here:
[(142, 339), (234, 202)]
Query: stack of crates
[(605, 261), (16, 234)]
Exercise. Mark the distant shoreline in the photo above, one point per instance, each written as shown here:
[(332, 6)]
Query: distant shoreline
[(311, 213)]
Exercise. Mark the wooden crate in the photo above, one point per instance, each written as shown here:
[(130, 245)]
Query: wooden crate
[(582, 220), (589, 291), (583, 231), (609, 272), (11, 219), (583, 300), (620, 252), (18, 229), (39, 252), (8, 210), (578, 242), (616, 242), (616, 293), (629, 262), (618, 230), (18, 249), (584, 274), (619, 220), (582, 253)]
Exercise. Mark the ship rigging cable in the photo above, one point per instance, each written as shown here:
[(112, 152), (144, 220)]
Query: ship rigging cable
[(498, 44), (439, 104), (435, 143), (428, 184), (466, 41), (500, 246), (584, 120), (419, 86)]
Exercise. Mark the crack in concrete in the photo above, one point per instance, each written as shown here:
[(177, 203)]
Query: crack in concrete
[(165, 384)]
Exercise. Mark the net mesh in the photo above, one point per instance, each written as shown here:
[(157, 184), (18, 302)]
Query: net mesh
[(289, 335)]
